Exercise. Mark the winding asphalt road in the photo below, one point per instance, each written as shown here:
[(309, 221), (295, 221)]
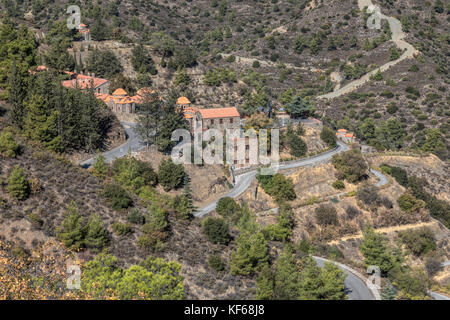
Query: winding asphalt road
[(397, 37), (244, 180), (132, 144), (355, 287)]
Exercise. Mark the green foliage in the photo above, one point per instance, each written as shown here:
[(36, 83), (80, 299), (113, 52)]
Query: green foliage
[(338, 184), (350, 165), (133, 173), (265, 284), (282, 230), (287, 276), (103, 63), (152, 279), (400, 175), (63, 119), (135, 216), (407, 202), (328, 136), (298, 108), (100, 167), (96, 236), (142, 61), (278, 186), (117, 197), (375, 251), (71, 232), (296, 144), (419, 241), (251, 254), (182, 77), (216, 230), (122, 229), (216, 77), (170, 175), (215, 262), (388, 292), (8, 146), (228, 208), (18, 185), (184, 57)]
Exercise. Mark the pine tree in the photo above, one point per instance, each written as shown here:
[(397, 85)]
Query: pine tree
[(287, 276), (150, 118), (71, 232), (18, 185), (100, 167), (16, 95), (264, 284), (389, 292), (96, 234)]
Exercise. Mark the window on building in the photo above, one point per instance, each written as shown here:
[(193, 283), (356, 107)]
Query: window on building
[(221, 121), (231, 120), (212, 121)]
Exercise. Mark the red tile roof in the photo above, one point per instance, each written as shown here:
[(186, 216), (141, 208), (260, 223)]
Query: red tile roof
[(219, 113), (119, 92), (83, 82)]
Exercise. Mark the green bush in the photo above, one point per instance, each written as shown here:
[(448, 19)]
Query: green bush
[(135, 216), (420, 241), (216, 230), (228, 208), (170, 175), (122, 229), (18, 185), (215, 262), (351, 166), (407, 202), (278, 186), (71, 233), (328, 136), (133, 173), (97, 236), (8, 147), (338, 184), (117, 197)]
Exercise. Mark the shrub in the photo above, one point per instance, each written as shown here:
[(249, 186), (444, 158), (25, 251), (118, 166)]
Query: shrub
[(228, 208), (326, 215), (130, 172), (135, 216), (216, 230), (328, 136), (350, 166), (8, 147), (407, 202), (368, 194), (215, 262), (386, 202), (420, 241), (122, 229), (170, 175), (278, 186), (256, 64), (352, 212), (117, 197), (338, 184), (18, 185)]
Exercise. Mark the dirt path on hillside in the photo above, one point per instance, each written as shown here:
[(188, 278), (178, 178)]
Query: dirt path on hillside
[(268, 63), (397, 37), (386, 230)]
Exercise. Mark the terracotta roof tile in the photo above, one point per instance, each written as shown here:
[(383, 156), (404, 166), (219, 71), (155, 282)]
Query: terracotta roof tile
[(119, 92), (219, 113), (183, 100)]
